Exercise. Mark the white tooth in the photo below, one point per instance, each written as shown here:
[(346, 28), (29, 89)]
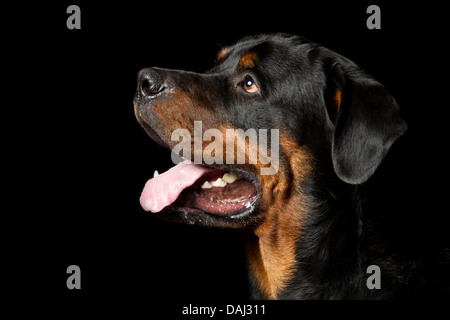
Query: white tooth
[(155, 174), (206, 185), (230, 177), (219, 183)]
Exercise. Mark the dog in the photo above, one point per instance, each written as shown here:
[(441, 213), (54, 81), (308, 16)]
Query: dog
[(318, 225)]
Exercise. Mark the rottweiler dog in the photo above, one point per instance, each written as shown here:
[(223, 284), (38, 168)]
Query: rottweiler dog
[(314, 225)]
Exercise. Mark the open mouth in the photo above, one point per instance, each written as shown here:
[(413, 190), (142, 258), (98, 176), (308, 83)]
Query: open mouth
[(195, 188)]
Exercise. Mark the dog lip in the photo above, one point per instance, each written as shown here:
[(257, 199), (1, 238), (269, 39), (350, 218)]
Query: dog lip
[(197, 211)]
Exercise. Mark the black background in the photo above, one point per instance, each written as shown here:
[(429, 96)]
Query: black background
[(85, 158)]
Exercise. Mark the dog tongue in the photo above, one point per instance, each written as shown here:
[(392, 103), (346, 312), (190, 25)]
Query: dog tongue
[(161, 191)]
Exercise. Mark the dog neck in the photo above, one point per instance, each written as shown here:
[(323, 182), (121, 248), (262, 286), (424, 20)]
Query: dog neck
[(286, 249), (290, 243), (272, 247)]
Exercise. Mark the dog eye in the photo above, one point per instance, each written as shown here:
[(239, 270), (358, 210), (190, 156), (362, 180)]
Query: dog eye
[(249, 85)]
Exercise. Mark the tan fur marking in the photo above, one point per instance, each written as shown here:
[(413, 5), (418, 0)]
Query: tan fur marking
[(338, 99), (180, 111), (248, 61), (272, 254)]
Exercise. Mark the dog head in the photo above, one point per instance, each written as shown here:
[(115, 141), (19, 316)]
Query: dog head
[(274, 112)]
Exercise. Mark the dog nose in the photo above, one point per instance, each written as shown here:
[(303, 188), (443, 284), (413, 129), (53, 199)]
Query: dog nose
[(150, 82)]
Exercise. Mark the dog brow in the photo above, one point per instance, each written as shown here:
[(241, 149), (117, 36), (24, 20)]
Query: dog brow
[(248, 60)]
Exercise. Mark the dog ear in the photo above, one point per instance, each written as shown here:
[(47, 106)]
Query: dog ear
[(366, 122)]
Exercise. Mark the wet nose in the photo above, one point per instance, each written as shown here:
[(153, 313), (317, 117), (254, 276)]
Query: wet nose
[(150, 82)]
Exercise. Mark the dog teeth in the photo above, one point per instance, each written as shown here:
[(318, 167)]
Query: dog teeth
[(155, 174), (206, 185), (230, 177), (219, 183)]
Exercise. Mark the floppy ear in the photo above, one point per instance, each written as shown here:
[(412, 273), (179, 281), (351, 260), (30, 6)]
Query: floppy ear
[(367, 122)]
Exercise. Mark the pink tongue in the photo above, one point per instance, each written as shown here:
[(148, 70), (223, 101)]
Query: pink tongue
[(163, 190)]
